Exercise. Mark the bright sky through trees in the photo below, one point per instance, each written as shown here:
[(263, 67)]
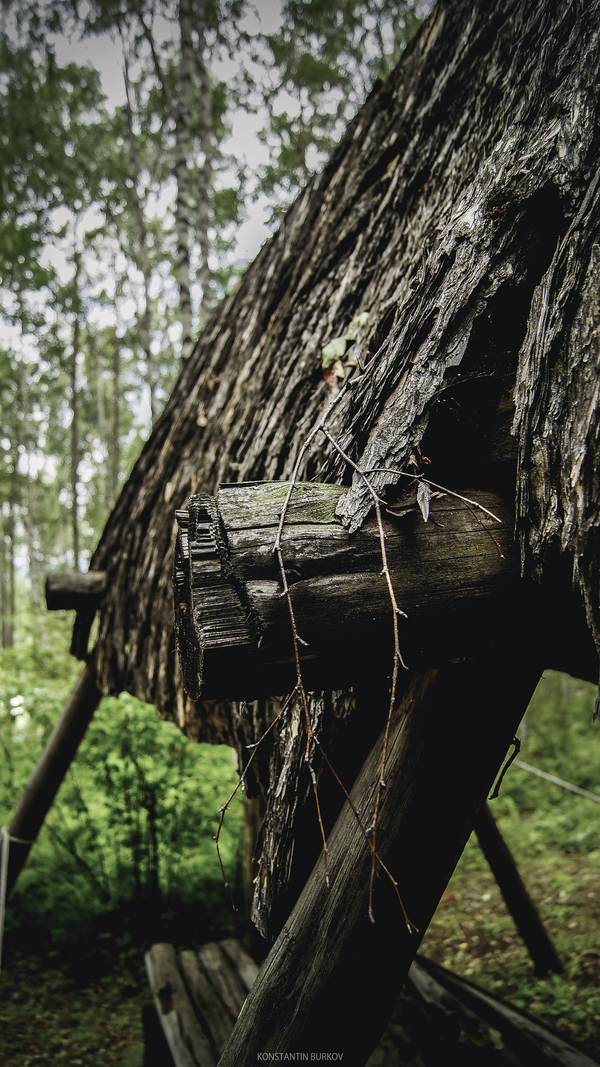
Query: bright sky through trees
[(148, 150)]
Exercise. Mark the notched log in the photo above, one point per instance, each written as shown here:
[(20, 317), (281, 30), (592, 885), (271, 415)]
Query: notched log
[(451, 576)]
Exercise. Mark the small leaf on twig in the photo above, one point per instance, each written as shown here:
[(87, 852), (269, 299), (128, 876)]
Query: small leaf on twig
[(423, 498), (333, 351), (337, 347), (356, 325)]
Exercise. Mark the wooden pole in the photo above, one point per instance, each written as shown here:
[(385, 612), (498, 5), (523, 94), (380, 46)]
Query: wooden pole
[(332, 978), (53, 764), (516, 897)]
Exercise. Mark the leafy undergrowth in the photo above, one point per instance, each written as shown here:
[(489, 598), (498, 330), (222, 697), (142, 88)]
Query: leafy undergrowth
[(473, 934)]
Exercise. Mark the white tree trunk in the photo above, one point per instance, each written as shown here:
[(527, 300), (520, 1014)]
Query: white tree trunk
[(182, 154)]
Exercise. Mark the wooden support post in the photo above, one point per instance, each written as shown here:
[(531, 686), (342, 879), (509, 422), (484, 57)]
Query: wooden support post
[(53, 764), (332, 978), (517, 899), (232, 624)]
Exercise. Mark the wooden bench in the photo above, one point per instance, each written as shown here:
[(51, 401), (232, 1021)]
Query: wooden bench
[(198, 996)]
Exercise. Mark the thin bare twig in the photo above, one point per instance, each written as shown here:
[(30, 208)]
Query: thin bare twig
[(370, 835), (396, 611), (434, 485), (240, 782)]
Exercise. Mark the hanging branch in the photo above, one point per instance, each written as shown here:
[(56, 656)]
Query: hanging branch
[(240, 783)]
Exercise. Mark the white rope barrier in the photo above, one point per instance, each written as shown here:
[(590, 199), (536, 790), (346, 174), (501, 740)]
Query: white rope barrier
[(4, 847), (557, 781), (5, 840)]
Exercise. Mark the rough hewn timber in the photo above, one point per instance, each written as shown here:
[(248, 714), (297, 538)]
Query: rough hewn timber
[(75, 591), (332, 978), (457, 211), (233, 627), (453, 1003)]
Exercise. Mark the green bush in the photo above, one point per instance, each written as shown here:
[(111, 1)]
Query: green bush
[(127, 854)]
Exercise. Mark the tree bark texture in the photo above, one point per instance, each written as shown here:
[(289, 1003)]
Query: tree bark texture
[(183, 118), (143, 256), (459, 211), (75, 447)]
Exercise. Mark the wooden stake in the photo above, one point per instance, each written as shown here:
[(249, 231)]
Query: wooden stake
[(53, 764), (516, 897)]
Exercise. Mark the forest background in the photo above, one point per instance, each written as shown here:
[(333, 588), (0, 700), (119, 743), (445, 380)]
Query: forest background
[(129, 206)]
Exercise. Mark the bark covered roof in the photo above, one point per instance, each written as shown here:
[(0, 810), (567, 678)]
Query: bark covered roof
[(461, 212)]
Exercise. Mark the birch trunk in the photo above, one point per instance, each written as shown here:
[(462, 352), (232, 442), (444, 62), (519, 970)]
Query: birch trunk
[(115, 445), (143, 258), (205, 172), (75, 412), (182, 155)]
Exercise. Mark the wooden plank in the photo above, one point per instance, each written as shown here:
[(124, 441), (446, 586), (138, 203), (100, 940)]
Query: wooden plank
[(245, 966), (74, 591), (188, 1044), (535, 1044), (332, 978), (217, 1017), (225, 980)]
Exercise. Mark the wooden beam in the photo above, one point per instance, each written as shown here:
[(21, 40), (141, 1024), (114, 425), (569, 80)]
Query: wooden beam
[(75, 591), (452, 999), (53, 764), (516, 897), (457, 577), (332, 978)]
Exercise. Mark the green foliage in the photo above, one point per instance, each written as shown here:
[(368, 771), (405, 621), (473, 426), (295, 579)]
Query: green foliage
[(326, 56), (558, 737), (127, 853)]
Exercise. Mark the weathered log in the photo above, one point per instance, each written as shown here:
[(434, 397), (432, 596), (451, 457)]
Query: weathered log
[(78, 592), (449, 997), (516, 897), (52, 766), (332, 977), (455, 577)]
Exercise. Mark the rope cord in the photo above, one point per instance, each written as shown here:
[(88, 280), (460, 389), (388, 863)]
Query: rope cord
[(557, 781), (5, 841)]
